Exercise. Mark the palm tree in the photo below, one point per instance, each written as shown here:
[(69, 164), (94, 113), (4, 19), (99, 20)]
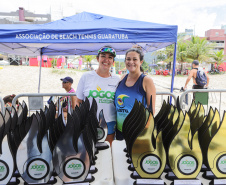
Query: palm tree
[(161, 56), (218, 56), (199, 49), (182, 53), (169, 52), (88, 59), (165, 54)]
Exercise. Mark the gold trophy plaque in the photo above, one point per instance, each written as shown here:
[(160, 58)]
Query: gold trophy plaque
[(216, 152), (185, 157), (148, 161)]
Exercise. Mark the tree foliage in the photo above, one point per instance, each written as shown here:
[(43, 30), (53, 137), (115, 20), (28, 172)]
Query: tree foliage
[(88, 59), (119, 65), (188, 50), (145, 66), (218, 56), (199, 49)]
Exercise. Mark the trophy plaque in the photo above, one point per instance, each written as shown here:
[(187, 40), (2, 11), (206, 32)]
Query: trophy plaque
[(216, 152), (6, 158), (147, 152), (34, 158), (185, 156)]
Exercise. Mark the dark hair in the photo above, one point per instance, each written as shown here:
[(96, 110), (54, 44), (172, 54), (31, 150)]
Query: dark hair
[(9, 99), (196, 62), (138, 50)]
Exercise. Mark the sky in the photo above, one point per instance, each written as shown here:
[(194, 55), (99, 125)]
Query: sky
[(199, 15)]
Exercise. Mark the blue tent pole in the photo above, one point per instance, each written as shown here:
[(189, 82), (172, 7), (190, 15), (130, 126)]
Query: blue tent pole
[(40, 70), (173, 71)]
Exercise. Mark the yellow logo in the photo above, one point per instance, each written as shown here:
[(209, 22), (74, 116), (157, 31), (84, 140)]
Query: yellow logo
[(98, 88)]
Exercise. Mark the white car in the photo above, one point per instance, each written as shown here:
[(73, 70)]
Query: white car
[(4, 63)]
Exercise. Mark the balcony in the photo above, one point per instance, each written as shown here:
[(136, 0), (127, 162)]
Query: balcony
[(219, 45)]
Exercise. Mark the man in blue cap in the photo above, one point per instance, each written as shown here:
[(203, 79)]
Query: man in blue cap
[(66, 84)]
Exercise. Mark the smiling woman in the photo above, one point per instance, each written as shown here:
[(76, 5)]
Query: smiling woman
[(101, 85), (133, 86)]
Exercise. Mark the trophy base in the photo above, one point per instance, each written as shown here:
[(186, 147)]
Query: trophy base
[(131, 167), (88, 180), (96, 151), (204, 168), (14, 181), (95, 158), (167, 168), (218, 182), (149, 181), (186, 182), (135, 175), (79, 183), (102, 146), (16, 174), (170, 176), (93, 169), (209, 175), (129, 161), (54, 174), (52, 180)]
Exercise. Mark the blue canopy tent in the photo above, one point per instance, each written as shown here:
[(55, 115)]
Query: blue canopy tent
[(84, 34)]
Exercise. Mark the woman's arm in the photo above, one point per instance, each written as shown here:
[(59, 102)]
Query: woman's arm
[(150, 90)]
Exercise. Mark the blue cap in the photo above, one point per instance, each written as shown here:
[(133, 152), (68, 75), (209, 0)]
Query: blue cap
[(67, 79)]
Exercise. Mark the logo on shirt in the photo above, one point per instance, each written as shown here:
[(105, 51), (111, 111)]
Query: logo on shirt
[(98, 88), (120, 100), (104, 96)]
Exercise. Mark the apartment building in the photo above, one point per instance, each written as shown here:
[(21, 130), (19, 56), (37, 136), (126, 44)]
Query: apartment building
[(217, 36)]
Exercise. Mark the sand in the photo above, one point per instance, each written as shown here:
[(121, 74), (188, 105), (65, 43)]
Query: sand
[(24, 79)]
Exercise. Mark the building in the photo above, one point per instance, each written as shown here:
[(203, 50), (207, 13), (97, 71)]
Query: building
[(22, 16), (217, 36), (189, 32)]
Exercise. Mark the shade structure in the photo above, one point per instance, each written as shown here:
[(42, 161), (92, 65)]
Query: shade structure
[(84, 34), (152, 65)]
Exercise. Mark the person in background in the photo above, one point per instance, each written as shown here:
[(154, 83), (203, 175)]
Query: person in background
[(8, 101), (67, 85), (101, 85), (134, 85), (38, 59), (193, 74), (63, 62), (45, 60), (80, 63)]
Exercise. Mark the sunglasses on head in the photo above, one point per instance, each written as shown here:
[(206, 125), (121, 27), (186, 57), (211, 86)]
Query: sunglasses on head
[(107, 50)]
